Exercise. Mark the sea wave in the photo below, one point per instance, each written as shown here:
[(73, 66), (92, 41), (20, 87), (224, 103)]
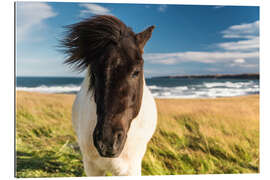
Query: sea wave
[(202, 90), (206, 90), (51, 89), (228, 84)]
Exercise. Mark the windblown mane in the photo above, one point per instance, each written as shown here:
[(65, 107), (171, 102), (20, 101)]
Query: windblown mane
[(87, 40)]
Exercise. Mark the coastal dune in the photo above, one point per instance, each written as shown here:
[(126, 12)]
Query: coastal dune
[(193, 136)]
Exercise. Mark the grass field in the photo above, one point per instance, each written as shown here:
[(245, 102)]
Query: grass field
[(194, 136)]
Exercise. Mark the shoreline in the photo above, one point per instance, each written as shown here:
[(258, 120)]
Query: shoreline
[(160, 98), (216, 76)]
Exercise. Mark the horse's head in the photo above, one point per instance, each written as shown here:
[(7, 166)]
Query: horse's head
[(113, 52)]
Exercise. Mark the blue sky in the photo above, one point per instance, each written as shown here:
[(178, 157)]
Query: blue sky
[(188, 39)]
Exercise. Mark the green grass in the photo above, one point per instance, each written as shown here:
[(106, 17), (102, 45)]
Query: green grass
[(211, 136), (45, 142), (194, 153), (205, 139)]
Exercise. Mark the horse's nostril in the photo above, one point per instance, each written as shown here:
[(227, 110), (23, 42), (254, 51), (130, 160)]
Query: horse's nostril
[(101, 146), (118, 138), (120, 135)]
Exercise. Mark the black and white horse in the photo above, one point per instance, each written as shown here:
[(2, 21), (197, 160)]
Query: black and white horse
[(114, 114)]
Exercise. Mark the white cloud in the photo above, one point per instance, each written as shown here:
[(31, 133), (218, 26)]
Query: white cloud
[(240, 53), (246, 66), (242, 63), (239, 61), (243, 45), (93, 9), (246, 30), (30, 16), (162, 8), (198, 56)]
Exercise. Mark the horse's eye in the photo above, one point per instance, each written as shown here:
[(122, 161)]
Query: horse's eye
[(135, 74)]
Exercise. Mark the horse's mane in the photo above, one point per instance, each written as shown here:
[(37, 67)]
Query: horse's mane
[(86, 41)]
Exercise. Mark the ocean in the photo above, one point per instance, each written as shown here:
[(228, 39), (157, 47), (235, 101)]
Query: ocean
[(161, 87)]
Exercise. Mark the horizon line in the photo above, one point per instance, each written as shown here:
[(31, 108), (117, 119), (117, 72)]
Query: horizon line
[(179, 75)]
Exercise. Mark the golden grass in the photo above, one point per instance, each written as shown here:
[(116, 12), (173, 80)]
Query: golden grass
[(193, 136), (218, 135), (231, 114)]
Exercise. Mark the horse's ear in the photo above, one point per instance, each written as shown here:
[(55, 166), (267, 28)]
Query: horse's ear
[(144, 36)]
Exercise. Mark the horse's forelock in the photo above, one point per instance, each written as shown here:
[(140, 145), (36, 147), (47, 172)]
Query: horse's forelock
[(85, 41)]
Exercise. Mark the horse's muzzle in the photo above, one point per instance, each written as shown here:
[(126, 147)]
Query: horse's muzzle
[(108, 145)]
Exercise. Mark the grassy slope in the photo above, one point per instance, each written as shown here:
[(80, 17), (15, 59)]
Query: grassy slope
[(193, 136)]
